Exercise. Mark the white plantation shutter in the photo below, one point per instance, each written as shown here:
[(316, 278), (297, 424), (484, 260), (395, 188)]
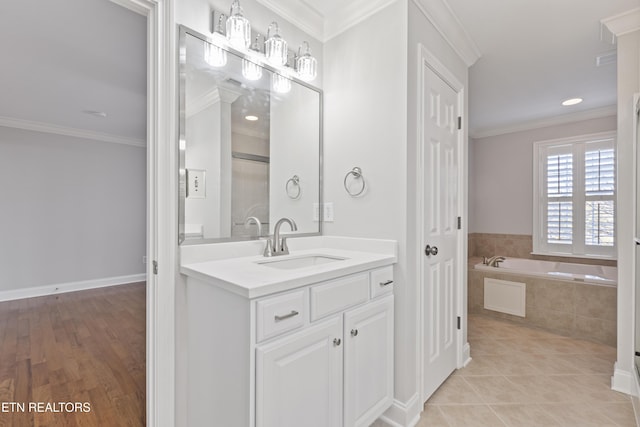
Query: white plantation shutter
[(574, 196)]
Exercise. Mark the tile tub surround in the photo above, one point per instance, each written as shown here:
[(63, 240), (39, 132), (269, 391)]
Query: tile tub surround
[(568, 308), (521, 376), (518, 246)]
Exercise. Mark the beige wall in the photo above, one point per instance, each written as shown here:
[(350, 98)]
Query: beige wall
[(501, 176)]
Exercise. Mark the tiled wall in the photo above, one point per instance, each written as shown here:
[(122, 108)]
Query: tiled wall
[(517, 246), (573, 309)]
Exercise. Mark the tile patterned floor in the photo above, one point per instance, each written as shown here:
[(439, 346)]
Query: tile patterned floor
[(523, 377)]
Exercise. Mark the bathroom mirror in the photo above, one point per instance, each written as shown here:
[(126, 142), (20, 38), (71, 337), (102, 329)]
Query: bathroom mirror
[(250, 145)]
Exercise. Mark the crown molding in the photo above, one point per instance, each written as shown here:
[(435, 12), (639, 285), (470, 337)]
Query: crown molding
[(11, 122), (439, 13), (203, 101), (596, 113), (350, 14), (624, 23), (299, 13)]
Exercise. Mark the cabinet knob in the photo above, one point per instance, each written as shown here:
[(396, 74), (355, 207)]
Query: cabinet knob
[(337, 341), (354, 332)]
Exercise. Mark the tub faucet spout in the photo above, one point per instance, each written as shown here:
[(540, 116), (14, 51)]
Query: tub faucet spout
[(494, 261)]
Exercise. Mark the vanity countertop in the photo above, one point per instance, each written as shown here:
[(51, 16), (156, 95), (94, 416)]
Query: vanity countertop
[(249, 277)]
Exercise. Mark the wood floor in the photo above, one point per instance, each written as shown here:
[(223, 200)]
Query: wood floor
[(64, 354)]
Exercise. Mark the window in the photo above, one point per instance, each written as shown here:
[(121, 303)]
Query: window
[(574, 196)]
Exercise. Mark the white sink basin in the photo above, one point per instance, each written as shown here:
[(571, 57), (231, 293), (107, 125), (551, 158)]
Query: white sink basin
[(300, 262)]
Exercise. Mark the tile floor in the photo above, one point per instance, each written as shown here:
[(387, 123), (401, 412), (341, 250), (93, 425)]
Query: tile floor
[(520, 376)]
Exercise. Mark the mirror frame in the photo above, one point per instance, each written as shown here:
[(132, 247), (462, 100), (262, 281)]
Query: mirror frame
[(182, 143)]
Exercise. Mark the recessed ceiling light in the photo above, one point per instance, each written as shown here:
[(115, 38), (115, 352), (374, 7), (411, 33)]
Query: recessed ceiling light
[(95, 113), (251, 118), (572, 101)]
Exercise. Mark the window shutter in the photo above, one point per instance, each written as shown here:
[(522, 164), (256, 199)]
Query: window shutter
[(599, 197)]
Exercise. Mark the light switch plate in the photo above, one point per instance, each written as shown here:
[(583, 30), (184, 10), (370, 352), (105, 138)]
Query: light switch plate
[(316, 211), (196, 184)]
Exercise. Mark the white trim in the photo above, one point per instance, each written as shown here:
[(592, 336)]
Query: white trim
[(622, 381), (403, 414), (439, 13), (202, 101), (59, 288), (466, 355), (624, 23), (351, 14), (595, 113), (300, 14), (34, 126)]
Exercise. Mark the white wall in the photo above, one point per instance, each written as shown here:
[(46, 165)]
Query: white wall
[(72, 209), (501, 176)]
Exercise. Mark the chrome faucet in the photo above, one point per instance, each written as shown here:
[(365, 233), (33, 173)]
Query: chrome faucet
[(278, 246), (494, 261), (256, 221)]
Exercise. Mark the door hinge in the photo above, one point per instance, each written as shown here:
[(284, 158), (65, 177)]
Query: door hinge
[(459, 322), (155, 267), (459, 223), (459, 122)]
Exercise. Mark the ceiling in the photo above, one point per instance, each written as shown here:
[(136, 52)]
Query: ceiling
[(533, 55), (64, 57)]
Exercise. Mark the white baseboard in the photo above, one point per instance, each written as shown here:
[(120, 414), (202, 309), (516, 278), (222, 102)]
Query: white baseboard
[(622, 380), (466, 354), (59, 288), (403, 414)]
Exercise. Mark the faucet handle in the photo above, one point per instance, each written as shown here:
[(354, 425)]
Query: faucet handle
[(268, 249)]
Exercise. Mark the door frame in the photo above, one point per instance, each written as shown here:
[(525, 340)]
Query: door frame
[(427, 58), (162, 221)]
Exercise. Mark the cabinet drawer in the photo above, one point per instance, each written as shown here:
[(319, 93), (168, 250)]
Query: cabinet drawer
[(336, 295), (279, 314), (381, 281)]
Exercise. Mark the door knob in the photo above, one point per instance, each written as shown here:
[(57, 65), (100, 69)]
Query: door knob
[(430, 250)]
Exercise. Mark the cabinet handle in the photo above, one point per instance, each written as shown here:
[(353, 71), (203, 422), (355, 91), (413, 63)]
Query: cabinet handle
[(286, 316), (337, 341), (354, 332), (388, 282)]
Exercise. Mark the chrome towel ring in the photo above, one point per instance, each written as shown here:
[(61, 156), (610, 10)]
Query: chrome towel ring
[(357, 174), (292, 184)]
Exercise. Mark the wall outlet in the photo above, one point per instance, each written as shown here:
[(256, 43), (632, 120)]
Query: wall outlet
[(144, 259), (196, 184), (327, 213)]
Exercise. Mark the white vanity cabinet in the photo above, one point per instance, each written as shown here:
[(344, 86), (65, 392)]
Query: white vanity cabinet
[(319, 355)]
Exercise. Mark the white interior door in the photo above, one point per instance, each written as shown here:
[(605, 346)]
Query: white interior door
[(440, 202)]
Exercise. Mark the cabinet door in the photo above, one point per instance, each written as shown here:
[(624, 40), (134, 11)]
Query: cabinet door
[(299, 378), (368, 362)]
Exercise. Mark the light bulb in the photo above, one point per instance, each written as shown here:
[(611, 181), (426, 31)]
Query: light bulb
[(214, 55), (280, 83), (238, 28), (306, 65), (275, 47), (251, 70)]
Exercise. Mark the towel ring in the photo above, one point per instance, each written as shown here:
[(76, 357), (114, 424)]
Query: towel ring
[(357, 173), (295, 181)]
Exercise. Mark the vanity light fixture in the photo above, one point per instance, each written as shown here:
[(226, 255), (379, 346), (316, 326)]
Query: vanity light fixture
[(280, 83), (214, 55), (238, 27), (572, 101), (275, 47), (306, 65)]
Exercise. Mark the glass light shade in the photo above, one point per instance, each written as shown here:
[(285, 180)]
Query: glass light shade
[(251, 70), (280, 83), (275, 47), (238, 28), (307, 67), (214, 55)]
